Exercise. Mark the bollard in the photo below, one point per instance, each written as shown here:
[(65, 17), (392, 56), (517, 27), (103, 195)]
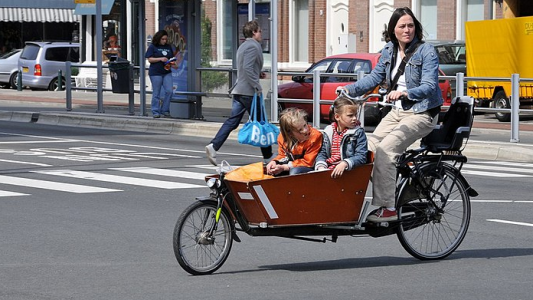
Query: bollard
[(60, 80), (19, 80)]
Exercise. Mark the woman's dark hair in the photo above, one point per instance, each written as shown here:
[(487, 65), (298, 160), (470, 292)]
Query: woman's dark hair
[(156, 40), (396, 15)]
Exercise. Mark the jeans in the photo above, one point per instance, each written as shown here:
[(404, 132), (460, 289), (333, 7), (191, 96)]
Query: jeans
[(240, 105), (161, 94)]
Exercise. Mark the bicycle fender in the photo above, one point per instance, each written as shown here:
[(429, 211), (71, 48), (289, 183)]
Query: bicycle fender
[(471, 192)]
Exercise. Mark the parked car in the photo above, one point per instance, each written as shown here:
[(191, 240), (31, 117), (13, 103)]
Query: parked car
[(351, 63), (40, 63), (452, 56), (9, 68)]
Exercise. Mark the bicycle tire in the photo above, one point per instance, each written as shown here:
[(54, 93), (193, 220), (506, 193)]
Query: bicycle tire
[(424, 232), (195, 251)]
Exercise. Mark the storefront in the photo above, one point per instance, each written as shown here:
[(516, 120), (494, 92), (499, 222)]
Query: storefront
[(22, 21)]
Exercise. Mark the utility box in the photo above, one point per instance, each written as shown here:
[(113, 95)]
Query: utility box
[(181, 108)]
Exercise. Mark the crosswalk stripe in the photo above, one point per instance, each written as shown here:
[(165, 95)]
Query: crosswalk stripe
[(496, 168), (51, 185), (10, 194), (163, 172), (493, 174), (506, 163), (120, 179)]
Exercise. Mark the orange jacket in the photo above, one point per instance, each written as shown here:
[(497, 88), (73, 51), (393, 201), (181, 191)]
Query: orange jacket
[(302, 154)]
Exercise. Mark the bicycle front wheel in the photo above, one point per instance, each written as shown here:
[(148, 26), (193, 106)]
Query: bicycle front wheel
[(434, 229), (198, 250)]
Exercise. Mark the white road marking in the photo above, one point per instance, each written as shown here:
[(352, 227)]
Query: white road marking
[(497, 168), (493, 174), (51, 185), (164, 172), (510, 222), (10, 194), (24, 163), (120, 179)]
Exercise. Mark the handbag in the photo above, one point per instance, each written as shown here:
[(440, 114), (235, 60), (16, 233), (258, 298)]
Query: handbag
[(258, 131)]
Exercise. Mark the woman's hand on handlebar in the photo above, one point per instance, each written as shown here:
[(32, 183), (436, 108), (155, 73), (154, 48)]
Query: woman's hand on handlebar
[(396, 95), (340, 90)]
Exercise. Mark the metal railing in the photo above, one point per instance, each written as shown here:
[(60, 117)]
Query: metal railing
[(459, 79)]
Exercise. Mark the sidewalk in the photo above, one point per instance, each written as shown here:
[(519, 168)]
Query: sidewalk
[(45, 107)]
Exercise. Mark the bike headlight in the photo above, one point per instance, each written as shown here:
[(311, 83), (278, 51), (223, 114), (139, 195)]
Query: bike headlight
[(213, 183)]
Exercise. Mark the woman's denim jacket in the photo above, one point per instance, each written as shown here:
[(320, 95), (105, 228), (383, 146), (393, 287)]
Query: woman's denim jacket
[(421, 77), (353, 147)]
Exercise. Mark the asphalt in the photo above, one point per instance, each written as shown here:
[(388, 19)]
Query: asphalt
[(48, 107)]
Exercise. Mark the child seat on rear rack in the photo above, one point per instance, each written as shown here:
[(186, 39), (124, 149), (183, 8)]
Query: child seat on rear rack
[(456, 126)]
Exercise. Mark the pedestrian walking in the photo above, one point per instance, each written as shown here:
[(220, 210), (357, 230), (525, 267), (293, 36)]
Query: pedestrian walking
[(249, 66)]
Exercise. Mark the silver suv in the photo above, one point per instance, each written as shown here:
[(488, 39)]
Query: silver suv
[(40, 63)]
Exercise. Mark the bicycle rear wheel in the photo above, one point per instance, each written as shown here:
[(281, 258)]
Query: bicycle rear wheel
[(197, 251), (433, 230)]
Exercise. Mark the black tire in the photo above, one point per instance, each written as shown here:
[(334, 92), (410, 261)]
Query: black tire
[(428, 232), (54, 86), (501, 101), (196, 252), (13, 80)]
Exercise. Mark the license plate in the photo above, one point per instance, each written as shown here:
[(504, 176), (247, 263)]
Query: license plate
[(25, 69)]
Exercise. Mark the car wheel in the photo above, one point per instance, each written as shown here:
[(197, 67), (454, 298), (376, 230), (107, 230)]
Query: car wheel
[(13, 80), (500, 101), (53, 85)]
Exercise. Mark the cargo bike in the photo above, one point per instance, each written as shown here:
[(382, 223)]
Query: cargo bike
[(432, 202)]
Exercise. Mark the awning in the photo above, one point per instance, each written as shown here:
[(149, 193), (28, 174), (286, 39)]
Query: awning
[(10, 14)]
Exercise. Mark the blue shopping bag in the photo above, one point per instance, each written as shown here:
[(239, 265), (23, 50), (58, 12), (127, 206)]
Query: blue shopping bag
[(258, 131)]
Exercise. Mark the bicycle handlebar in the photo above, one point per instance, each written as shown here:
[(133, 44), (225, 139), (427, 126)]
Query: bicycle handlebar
[(362, 99)]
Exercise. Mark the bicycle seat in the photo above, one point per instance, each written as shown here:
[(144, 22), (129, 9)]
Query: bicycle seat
[(456, 126)]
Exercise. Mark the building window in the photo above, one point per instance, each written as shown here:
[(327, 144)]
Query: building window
[(475, 10), (300, 31), (428, 18), (225, 31)]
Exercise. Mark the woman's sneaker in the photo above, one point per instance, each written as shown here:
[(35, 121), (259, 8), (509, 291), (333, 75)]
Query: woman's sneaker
[(382, 214)]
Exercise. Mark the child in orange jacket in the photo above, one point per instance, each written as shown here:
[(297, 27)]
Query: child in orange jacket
[(298, 144)]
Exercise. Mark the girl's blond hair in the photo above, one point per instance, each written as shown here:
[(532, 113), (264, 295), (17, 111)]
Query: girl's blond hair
[(288, 121)]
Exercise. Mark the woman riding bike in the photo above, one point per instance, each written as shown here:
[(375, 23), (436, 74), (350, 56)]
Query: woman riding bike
[(414, 90)]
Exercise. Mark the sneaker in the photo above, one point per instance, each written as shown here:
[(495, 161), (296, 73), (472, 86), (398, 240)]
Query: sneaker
[(166, 116), (382, 215), (211, 154), (156, 116)]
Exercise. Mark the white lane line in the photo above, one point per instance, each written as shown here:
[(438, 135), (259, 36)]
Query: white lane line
[(24, 163), (496, 168), (10, 194), (34, 142), (51, 185), (505, 163), (163, 172), (120, 179), (510, 222), (493, 174)]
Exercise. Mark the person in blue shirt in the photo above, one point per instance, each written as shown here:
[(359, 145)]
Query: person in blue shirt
[(159, 55)]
